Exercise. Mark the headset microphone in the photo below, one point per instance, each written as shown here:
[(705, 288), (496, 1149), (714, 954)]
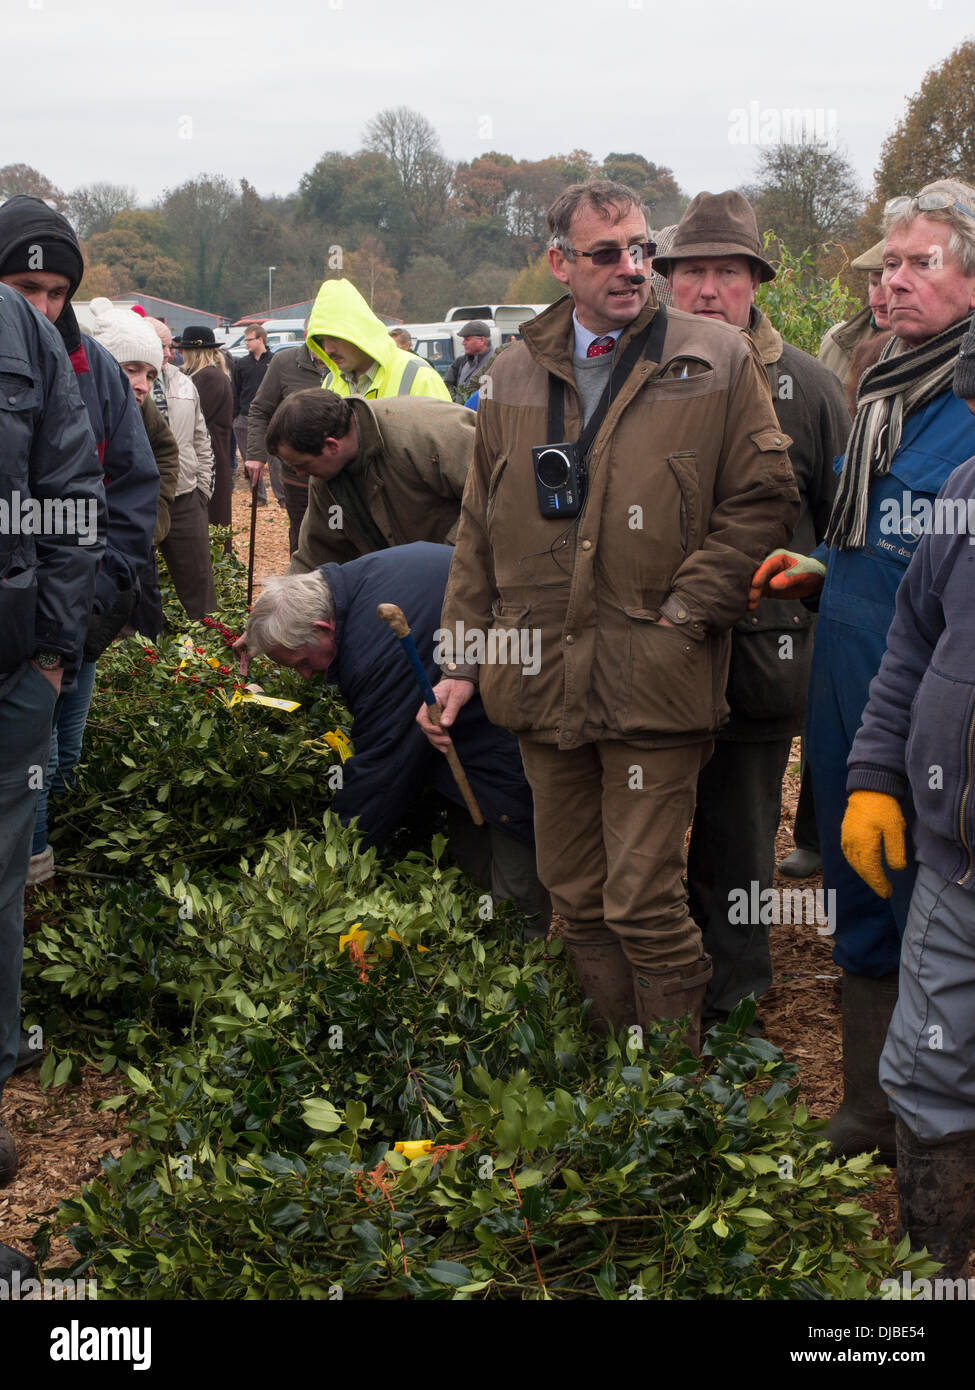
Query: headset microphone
[(637, 279)]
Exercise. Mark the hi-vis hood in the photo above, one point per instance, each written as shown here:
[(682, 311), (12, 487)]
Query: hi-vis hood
[(341, 312)]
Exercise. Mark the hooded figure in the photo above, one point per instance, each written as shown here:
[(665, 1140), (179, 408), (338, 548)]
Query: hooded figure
[(36, 239), (40, 258), (360, 357)]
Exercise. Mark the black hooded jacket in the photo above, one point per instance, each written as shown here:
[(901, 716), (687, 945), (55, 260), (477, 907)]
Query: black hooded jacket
[(129, 468), (49, 477)]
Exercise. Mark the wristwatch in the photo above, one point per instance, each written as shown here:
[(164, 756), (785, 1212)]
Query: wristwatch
[(49, 661)]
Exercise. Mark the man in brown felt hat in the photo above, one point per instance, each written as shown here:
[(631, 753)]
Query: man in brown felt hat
[(629, 593), (714, 265), (839, 342)]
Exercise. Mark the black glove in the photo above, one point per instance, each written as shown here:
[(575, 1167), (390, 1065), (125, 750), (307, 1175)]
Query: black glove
[(104, 627)]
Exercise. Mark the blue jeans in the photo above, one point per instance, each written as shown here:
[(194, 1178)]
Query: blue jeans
[(66, 741), (26, 715)]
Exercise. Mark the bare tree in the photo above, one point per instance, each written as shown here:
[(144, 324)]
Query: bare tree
[(410, 143), (93, 205), (808, 193)]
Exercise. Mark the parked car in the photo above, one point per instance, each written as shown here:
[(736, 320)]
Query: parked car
[(280, 333), (438, 343)]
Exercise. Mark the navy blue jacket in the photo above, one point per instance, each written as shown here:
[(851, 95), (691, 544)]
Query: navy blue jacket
[(393, 760), (855, 610), (918, 731), (47, 453), (857, 600), (129, 465), (130, 474)]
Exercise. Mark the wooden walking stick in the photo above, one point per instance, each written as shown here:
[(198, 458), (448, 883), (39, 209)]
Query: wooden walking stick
[(250, 557), (390, 613)]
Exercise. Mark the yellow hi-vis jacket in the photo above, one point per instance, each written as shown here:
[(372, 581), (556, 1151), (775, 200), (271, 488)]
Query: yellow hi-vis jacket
[(341, 312)]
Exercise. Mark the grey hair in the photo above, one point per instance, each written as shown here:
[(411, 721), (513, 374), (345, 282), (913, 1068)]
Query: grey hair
[(961, 242), (286, 611)]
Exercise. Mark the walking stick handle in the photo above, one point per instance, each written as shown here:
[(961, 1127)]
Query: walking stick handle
[(392, 614)]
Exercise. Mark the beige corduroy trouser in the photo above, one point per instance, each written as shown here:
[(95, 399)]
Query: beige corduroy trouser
[(610, 826)]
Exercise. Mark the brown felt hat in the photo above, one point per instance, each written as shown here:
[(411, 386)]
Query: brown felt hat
[(716, 224), (870, 260)]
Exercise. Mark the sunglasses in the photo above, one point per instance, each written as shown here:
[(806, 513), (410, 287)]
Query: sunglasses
[(638, 251), (925, 202)]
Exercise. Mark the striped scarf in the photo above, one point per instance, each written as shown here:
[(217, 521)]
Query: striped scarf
[(902, 381), (159, 398)]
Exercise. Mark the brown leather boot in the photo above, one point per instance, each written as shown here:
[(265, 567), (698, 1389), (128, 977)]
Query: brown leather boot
[(606, 978), (666, 996)]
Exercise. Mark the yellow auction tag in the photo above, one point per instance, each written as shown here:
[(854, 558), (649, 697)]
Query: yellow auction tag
[(289, 706), (337, 741), (413, 1148)]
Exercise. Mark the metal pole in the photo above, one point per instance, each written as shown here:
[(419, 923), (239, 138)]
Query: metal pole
[(270, 270)]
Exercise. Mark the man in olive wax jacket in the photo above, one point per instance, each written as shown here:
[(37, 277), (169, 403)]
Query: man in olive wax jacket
[(629, 603), (383, 472)]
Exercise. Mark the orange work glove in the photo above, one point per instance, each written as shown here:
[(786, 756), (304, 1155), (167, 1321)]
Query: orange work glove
[(786, 574), (873, 820)]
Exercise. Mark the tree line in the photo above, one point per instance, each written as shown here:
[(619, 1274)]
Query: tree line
[(416, 232)]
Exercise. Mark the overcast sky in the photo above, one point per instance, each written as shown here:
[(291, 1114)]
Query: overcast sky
[(151, 95)]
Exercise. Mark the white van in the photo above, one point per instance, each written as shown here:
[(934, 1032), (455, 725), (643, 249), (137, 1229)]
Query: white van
[(518, 312)]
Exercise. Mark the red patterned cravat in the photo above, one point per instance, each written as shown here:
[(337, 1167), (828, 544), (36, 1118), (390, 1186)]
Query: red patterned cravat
[(599, 346)]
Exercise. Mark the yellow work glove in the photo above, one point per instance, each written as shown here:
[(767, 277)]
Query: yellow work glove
[(873, 821)]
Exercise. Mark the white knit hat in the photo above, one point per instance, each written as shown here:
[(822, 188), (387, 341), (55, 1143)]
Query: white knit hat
[(125, 335)]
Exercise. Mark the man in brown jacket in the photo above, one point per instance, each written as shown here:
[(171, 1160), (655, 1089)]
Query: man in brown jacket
[(383, 472), (714, 265), (630, 601), (291, 369), (841, 341)]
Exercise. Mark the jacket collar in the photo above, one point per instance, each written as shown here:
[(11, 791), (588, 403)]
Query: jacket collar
[(306, 359), (767, 340), (337, 583), (79, 360), (848, 334), (370, 435), (550, 336)]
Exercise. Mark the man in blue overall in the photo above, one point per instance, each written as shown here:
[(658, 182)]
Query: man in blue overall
[(910, 432)]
